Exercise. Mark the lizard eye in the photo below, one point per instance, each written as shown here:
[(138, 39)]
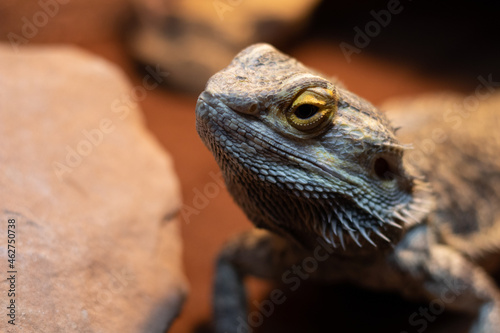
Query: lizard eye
[(311, 109)]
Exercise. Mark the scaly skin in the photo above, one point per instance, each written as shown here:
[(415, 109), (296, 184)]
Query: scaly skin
[(321, 173)]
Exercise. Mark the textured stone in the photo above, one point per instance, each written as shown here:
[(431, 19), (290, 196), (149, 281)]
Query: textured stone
[(193, 39), (93, 195)]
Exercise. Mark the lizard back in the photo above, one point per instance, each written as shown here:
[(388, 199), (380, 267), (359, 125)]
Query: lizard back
[(456, 143)]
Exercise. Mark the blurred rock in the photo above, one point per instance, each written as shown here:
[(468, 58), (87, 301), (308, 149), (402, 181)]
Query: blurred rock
[(93, 196), (193, 39), (61, 21)]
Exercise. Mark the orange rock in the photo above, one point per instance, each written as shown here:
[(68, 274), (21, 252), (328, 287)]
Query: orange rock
[(93, 196)]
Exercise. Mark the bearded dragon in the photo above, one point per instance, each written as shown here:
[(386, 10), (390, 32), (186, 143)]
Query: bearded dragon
[(336, 196)]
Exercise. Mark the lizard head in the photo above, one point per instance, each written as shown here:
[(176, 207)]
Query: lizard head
[(304, 157)]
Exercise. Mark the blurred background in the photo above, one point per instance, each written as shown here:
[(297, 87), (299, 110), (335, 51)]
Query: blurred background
[(378, 49)]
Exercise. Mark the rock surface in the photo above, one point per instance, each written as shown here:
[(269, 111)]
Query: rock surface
[(193, 39), (93, 196)]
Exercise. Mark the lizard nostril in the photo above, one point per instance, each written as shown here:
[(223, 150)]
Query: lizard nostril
[(253, 109)]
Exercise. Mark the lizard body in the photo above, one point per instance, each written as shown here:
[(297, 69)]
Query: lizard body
[(322, 174), (456, 147)]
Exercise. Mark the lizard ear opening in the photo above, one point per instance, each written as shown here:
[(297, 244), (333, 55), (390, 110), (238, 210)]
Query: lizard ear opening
[(383, 169)]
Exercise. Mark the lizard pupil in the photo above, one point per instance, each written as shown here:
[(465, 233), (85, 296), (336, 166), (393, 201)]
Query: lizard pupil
[(306, 111)]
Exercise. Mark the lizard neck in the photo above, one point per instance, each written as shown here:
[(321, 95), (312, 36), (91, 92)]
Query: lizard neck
[(306, 220)]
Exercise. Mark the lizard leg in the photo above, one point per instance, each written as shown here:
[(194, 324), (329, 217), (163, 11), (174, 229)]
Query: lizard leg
[(258, 253), (449, 279)]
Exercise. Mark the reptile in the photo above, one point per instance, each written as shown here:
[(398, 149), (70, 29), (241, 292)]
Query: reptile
[(336, 195)]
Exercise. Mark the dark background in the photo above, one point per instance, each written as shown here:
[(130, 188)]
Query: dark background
[(427, 47)]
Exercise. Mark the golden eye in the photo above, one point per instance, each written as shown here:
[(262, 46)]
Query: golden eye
[(312, 109)]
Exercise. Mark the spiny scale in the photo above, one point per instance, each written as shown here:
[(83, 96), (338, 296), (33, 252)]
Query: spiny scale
[(354, 237), (408, 214), (381, 235), (366, 236), (341, 238), (400, 217), (342, 220)]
